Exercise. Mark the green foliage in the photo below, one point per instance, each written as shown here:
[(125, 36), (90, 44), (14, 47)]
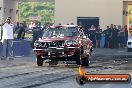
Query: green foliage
[(130, 14), (43, 9)]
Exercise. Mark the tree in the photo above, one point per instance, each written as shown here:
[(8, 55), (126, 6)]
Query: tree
[(45, 10)]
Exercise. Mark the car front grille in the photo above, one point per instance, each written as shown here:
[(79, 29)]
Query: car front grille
[(52, 44)]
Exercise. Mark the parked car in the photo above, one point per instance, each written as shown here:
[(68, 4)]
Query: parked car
[(129, 44), (63, 43)]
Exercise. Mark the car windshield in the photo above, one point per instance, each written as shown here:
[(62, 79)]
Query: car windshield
[(60, 32)]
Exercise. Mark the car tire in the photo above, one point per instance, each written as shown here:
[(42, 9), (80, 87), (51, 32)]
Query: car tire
[(81, 80), (78, 57), (85, 61), (39, 61), (129, 49)]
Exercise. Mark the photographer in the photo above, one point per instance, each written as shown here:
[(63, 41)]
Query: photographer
[(7, 38)]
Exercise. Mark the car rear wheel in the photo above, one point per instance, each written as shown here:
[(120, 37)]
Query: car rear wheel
[(85, 61), (39, 61)]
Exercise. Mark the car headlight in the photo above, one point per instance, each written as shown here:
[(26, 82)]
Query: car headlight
[(36, 44), (71, 42)]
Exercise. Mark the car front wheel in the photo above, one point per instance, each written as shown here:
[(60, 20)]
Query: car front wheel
[(85, 61), (39, 61), (78, 57)]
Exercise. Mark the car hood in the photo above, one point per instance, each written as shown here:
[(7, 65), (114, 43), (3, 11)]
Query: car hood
[(57, 39)]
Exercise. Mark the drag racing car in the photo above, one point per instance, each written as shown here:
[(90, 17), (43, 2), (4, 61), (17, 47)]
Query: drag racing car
[(63, 43)]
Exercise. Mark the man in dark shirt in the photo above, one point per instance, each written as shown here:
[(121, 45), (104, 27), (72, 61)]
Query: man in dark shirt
[(92, 33), (107, 37), (98, 36), (21, 31), (112, 34), (115, 36), (126, 34)]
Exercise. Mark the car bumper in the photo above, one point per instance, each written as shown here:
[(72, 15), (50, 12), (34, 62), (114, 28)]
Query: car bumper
[(56, 52), (54, 49)]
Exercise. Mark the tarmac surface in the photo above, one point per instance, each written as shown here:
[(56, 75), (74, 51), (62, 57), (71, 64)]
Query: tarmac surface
[(24, 73), (101, 52)]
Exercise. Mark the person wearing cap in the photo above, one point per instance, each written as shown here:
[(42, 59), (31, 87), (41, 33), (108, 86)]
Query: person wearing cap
[(7, 39)]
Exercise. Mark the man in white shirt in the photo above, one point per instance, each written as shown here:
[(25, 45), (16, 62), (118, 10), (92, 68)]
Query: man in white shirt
[(7, 39)]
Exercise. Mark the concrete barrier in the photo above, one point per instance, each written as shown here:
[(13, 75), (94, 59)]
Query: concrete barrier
[(20, 48)]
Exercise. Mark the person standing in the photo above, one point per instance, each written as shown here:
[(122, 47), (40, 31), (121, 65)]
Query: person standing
[(17, 28), (107, 37), (115, 36), (24, 25), (92, 33), (126, 34), (121, 37), (118, 39), (21, 32), (98, 36), (7, 39), (112, 34)]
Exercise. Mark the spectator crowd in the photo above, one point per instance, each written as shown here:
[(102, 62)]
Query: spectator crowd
[(112, 37)]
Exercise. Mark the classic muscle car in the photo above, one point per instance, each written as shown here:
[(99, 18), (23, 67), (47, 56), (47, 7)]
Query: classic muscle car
[(63, 43)]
